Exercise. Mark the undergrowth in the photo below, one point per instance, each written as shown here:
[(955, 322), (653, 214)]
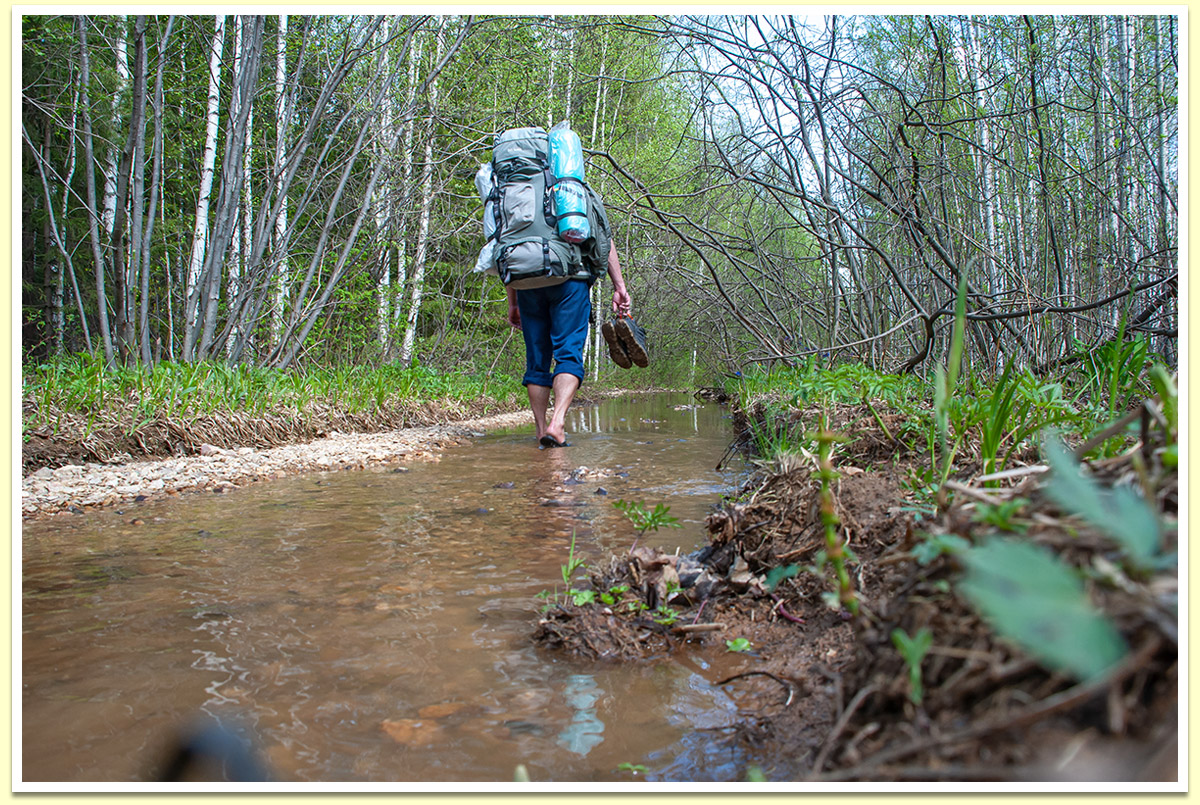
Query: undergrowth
[(82, 385), (965, 426)]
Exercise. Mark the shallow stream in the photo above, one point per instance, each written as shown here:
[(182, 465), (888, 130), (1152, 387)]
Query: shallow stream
[(374, 625)]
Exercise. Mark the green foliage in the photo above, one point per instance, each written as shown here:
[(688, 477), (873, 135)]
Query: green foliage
[(835, 551), (738, 645), (778, 574), (1008, 413), (1120, 512), (632, 768), (945, 383), (754, 774), (83, 384), (1032, 598), (913, 650), (938, 545), (1112, 372), (645, 520), (567, 572), (1001, 515)]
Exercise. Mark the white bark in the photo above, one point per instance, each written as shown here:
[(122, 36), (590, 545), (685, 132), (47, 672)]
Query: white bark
[(121, 51), (406, 171), (200, 232), (279, 250), (986, 169), (386, 147), (422, 246)]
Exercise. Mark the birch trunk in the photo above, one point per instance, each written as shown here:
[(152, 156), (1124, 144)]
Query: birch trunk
[(243, 234), (385, 151), (156, 191), (191, 323), (279, 251), (121, 52), (422, 245), (406, 174)]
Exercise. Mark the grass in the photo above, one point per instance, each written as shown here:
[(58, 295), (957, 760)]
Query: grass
[(81, 385)]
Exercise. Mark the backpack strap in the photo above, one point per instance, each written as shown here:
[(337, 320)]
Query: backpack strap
[(548, 200)]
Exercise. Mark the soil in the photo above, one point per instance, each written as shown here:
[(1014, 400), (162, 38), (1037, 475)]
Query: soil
[(829, 699)]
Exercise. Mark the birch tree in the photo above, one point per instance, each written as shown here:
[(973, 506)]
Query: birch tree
[(417, 283), (192, 289)]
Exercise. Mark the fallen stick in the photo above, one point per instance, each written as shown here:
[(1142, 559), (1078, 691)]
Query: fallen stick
[(698, 627), (791, 689)]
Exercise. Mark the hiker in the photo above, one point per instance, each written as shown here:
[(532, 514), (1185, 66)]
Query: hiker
[(548, 239), (554, 321)]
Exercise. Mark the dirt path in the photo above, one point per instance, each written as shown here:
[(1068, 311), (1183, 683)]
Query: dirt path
[(75, 487)]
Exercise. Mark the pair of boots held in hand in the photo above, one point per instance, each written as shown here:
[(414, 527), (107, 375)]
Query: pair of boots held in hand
[(626, 342)]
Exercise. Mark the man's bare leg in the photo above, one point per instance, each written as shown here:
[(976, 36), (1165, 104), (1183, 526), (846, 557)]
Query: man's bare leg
[(565, 386), (539, 401)]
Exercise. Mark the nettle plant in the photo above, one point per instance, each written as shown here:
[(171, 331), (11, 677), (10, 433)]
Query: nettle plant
[(1034, 598)]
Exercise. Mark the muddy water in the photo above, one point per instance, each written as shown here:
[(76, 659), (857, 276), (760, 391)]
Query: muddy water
[(374, 625)]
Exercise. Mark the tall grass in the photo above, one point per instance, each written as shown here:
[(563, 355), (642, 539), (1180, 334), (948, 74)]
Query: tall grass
[(82, 385), (992, 416)]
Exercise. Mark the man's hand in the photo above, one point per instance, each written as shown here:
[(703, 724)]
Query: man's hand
[(622, 305), (514, 312)]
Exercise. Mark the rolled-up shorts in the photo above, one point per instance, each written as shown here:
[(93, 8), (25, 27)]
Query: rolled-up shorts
[(554, 321)]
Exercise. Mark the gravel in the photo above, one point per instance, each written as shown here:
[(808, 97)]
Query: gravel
[(74, 488)]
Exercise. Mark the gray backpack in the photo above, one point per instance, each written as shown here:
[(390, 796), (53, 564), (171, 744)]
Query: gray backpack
[(529, 252)]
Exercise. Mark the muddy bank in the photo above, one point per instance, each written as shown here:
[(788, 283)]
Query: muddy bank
[(831, 697), (75, 487)]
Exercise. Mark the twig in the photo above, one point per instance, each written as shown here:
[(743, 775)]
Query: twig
[(791, 689), (836, 732), (698, 627), (782, 610), (1016, 472), (973, 493), (1111, 430), (1030, 715)]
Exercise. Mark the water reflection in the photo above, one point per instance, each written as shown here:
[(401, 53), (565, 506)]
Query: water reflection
[(374, 625), (585, 731)]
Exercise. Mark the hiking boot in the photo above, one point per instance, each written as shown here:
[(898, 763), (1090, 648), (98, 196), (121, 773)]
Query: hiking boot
[(616, 349), (634, 338)]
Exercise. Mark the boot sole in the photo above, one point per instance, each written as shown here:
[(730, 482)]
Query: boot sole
[(635, 349), (616, 350)]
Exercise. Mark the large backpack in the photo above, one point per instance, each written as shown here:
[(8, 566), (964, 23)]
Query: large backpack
[(527, 251)]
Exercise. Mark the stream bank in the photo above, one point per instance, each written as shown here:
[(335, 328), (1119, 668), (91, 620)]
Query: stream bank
[(832, 698)]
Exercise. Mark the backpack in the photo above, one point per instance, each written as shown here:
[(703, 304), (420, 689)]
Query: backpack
[(523, 245)]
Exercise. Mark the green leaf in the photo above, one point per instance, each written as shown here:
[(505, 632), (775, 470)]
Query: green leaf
[(929, 549), (738, 644), (778, 574), (1030, 597), (1120, 513)]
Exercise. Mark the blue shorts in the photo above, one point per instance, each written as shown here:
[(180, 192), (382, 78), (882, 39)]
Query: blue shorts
[(554, 321)]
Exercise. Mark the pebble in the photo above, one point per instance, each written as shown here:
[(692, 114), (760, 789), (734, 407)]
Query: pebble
[(71, 487)]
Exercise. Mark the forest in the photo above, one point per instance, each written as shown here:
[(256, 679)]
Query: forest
[(928, 265), (296, 191)]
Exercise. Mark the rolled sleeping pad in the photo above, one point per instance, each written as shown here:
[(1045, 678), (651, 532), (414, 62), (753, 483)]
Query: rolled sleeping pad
[(570, 196)]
